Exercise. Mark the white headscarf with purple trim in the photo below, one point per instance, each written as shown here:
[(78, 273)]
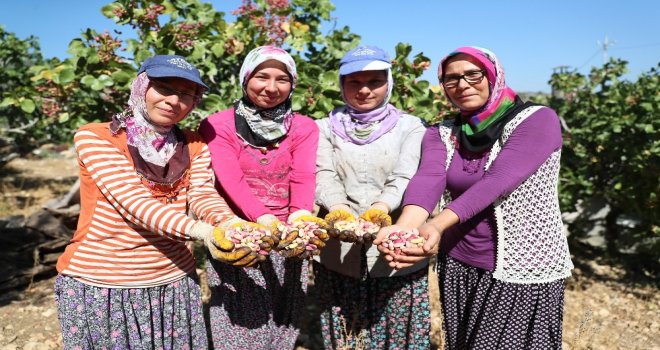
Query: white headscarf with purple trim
[(362, 128)]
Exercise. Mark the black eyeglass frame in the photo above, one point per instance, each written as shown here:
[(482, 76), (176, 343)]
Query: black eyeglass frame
[(464, 76)]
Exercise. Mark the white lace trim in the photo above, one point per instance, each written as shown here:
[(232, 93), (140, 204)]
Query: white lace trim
[(531, 245)]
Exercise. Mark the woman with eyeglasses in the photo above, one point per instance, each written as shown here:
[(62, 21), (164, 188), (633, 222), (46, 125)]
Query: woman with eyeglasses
[(127, 279), (503, 256), (264, 158)]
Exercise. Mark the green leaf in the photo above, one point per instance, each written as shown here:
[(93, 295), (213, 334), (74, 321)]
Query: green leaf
[(88, 80), (66, 76), (97, 85), (325, 104), (329, 77), (76, 47), (218, 49), (105, 80), (297, 102), (63, 117), (8, 101), (647, 106), (121, 76), (403, 50), (108, 10), (27, 105)]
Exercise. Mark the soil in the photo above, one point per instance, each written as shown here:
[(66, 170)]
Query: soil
[(606, 307)]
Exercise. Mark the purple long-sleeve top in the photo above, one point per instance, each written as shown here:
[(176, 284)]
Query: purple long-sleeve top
[(473, 190)]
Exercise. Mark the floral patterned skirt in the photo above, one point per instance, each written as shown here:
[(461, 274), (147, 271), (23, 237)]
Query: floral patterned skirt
[(161, 317), (257, 308), (373, 313), (484, 313)]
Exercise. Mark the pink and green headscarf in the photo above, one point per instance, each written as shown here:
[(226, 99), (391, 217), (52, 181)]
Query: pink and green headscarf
[(501, 96)]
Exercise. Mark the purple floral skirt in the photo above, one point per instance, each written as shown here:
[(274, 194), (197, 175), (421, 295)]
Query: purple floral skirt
[(162, 317), (481, 312), (373, 313), (257, 308)]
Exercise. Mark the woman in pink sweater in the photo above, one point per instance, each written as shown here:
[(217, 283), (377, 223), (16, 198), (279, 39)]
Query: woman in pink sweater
[(264, 159)]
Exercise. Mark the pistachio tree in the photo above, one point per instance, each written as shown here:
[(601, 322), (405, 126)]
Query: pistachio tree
[(93, 83), (612, 151)]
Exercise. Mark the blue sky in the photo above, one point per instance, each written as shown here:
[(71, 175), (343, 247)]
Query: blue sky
[(530, 37)]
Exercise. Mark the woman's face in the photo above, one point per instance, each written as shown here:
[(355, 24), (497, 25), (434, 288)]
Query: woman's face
[(169, 100), (365, 90), (468, 97), (269, 85)]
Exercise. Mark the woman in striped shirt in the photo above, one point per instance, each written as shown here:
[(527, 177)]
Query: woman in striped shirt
[(127, 279)]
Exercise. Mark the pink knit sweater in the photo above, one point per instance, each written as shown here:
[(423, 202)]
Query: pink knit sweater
[(278, 182)]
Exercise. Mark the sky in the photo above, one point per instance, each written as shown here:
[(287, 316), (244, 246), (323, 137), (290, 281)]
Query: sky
[(530, 37)]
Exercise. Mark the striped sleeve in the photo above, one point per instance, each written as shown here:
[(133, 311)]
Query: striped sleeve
[(204, 200), (117, 180)]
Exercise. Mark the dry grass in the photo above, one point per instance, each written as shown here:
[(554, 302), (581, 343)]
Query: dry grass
[(437, 333), (28, 182), (350, 340), (604, 311)]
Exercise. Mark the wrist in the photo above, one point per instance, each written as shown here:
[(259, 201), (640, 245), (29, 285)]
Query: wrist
[(297, 214), (201, 230), (380, 206), (343, 207)]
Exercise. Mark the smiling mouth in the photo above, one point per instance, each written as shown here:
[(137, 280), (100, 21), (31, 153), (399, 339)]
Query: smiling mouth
[(168, 112)]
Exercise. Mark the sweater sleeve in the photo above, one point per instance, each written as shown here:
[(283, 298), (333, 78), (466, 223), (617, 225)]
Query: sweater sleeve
[(116, 179), (303, 166), (406, 165), (224, 147), (428, 184), (329, 188), (204, 200), (528, 147)]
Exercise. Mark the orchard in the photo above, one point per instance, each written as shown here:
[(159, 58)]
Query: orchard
[(611, 130)]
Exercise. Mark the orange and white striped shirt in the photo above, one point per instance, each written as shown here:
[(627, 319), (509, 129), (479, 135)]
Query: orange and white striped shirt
[(126, 238)]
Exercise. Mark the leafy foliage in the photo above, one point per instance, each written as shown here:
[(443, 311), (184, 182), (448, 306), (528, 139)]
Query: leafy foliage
[(17, 96), (612, 149), (93, 83)]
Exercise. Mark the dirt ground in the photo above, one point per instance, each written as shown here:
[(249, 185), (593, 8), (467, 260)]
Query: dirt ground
[(604, 307)]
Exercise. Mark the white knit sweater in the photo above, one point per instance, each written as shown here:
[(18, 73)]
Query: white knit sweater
[(531, 245)]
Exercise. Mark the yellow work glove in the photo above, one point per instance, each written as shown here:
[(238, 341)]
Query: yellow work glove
[(220, 247), (269, 221), (377, 214), (339, 212)]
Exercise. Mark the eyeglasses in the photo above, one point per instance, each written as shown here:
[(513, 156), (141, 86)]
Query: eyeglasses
[(165, 90), (471, 77)]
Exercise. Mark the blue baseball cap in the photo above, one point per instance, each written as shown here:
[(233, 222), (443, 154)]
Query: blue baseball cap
[(171, 66), (364, 58)]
